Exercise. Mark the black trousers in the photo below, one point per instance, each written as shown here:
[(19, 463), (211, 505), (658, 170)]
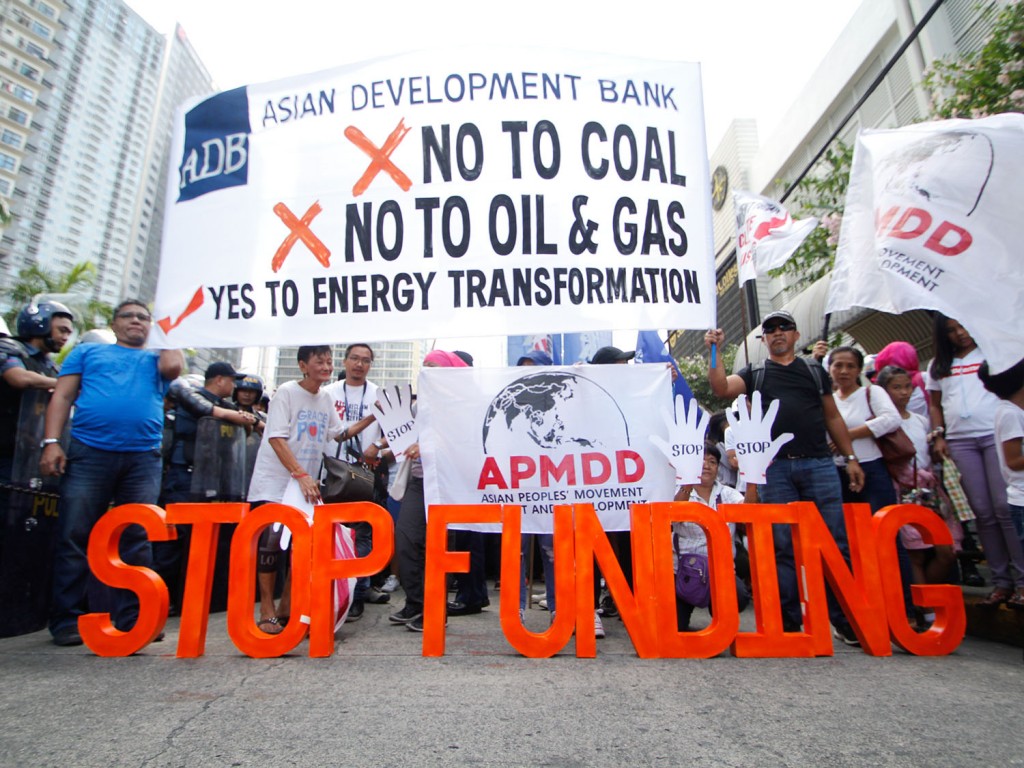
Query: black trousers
[(411, 543)]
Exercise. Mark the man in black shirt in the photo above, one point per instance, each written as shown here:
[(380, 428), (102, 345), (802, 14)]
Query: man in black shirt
[(803, 470)]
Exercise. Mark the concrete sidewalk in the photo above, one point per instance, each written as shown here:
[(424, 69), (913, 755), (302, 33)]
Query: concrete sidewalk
[(378, 702)]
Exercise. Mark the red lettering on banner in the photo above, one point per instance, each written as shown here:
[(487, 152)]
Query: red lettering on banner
[(596, 468), (947, 239), (550, 471), (963, 242), (490, 474), (622, 467), (523, 468)]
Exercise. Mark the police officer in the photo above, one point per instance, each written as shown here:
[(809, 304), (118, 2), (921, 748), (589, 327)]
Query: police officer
[(27, 374), (248, 393), (190, 405)]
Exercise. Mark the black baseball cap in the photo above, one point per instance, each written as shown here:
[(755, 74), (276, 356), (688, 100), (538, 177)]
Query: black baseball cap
[(607, 355), (221, 368), (778, 314)]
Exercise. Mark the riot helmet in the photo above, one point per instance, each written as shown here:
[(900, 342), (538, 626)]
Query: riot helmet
[(252, 383), (36, 319)]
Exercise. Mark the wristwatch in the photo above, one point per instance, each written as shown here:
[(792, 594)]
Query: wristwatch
[(48, 441), (851, 457), (378, 445)]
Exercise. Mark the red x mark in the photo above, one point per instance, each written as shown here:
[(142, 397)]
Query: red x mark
[(299, 231), (380, 158)]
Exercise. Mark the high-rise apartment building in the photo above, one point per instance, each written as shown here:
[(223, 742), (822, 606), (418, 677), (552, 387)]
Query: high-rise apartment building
[(96, 87), (28, 31), (394, 362)]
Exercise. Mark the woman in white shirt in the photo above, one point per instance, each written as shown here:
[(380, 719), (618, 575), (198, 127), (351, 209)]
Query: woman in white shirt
[(963, 418), (868, 413)]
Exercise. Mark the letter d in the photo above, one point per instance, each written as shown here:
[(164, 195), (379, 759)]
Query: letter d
[(359, 98), (963, 242)]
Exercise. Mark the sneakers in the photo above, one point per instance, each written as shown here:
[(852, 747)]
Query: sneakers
[(416, 625), (405, 615), (376, 597), (543, 603), (996, 597), (355, 612), (598, 626), (846, 634), (67, 638), (608, 608), (390, 585)]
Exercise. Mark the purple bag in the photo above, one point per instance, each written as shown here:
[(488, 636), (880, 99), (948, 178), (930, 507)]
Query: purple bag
[(692, 582)]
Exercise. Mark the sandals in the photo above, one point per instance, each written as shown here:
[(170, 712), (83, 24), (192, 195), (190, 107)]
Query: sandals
[(998, 596), (271, 626)]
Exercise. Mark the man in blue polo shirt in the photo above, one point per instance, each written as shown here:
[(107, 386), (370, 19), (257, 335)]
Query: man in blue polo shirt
[(117, 391)]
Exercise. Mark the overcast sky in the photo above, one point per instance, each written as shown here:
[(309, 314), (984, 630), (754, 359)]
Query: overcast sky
[(755, 56)]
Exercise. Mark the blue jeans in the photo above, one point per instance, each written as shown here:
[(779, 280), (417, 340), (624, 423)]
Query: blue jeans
[(547, 553), (813, 480), (1017, 515), (93, 478), (364, 545)]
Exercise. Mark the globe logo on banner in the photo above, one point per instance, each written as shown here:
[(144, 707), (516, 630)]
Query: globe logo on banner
[(216, 153), (553, 411), (952, 168)]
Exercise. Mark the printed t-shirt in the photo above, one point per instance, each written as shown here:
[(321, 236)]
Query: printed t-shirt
[(308, 421), (968, 409)]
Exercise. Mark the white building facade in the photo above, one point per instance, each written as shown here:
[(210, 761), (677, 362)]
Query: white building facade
[(873, 36)]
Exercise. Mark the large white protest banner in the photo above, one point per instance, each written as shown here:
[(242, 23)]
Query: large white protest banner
[(465, 192), (538, 437), (932, 221)]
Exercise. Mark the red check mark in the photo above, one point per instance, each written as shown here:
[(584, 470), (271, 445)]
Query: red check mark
[(167, 325)]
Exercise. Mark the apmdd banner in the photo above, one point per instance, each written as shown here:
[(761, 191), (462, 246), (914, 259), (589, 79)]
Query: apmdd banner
[(464, 192), (538, 437)]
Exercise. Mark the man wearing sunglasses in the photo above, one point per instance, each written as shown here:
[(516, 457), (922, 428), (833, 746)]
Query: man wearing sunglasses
[(803, 470), (117, 391)]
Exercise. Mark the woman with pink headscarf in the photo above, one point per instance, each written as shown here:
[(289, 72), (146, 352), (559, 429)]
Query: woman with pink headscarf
[(411, 529), (903, 355)]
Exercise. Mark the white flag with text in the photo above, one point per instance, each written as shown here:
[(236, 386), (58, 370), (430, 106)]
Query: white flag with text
[(766, 235), (932, 221)]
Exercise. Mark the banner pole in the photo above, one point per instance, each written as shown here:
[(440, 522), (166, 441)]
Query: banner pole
[(746, 322)]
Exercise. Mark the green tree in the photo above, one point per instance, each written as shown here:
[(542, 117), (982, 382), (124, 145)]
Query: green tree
[(695, 371), (71, 287), (988, 81), (822, 193)]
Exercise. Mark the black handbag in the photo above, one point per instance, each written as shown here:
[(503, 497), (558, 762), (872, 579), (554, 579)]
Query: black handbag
[(345, 481)]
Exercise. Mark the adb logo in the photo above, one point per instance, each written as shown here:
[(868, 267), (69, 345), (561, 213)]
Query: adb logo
[(216, 154)]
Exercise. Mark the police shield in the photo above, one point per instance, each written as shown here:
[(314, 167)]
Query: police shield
[(28, 528), (27, 451), (219, 470)]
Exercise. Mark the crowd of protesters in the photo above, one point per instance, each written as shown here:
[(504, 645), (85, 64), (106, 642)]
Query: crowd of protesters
[(123, 425)]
